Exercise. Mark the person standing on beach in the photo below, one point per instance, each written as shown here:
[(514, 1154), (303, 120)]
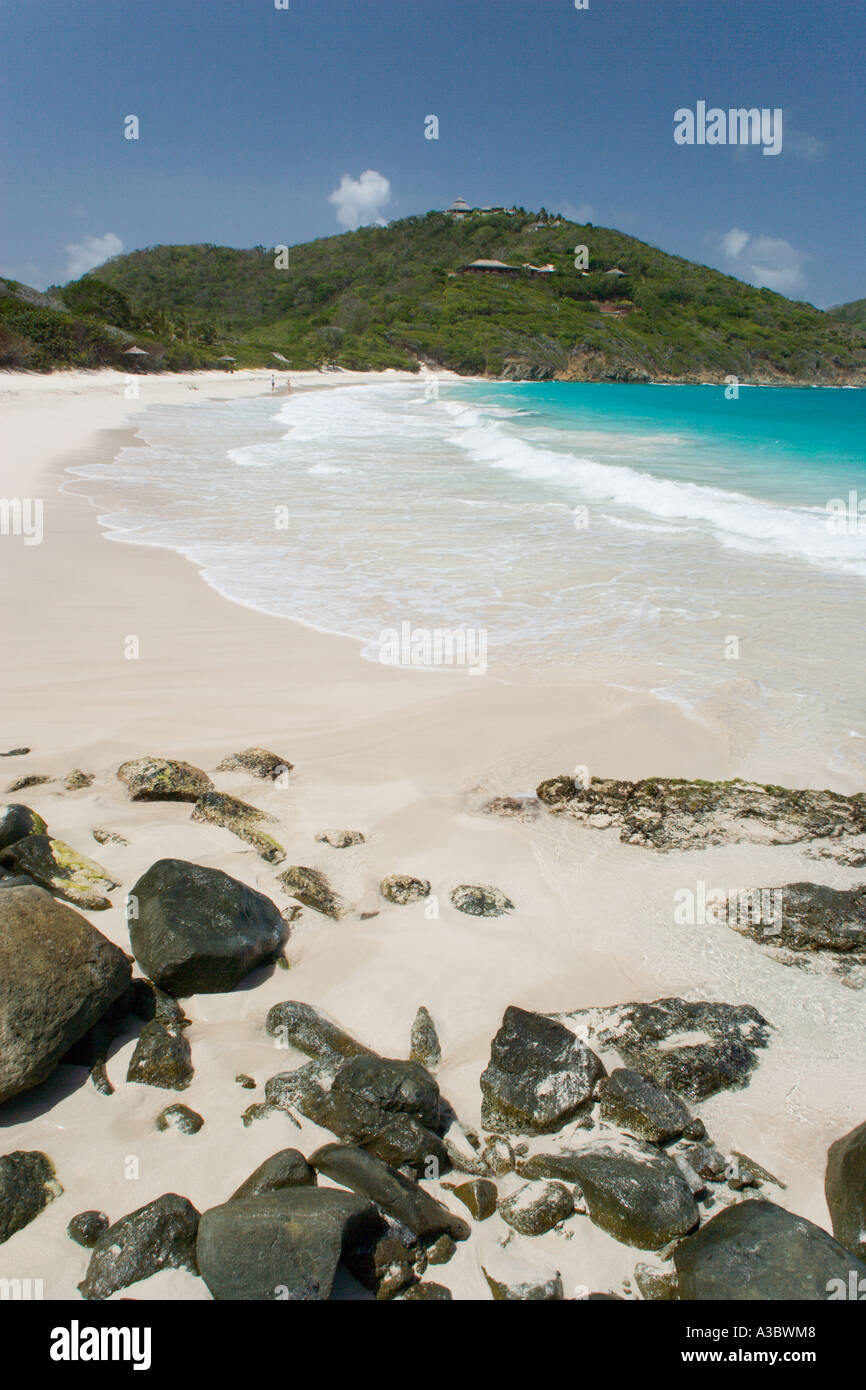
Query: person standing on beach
[(272, 381)]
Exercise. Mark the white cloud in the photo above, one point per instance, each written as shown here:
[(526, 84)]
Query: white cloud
[(360, 201), (584, 212), (92, 251), (809, 146), (763, 260)]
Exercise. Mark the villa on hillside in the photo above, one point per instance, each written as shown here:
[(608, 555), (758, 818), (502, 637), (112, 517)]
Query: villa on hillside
[(486, 267), (460, 209)]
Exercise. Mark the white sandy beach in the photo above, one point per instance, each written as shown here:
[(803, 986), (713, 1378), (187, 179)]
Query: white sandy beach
[(398, 756)]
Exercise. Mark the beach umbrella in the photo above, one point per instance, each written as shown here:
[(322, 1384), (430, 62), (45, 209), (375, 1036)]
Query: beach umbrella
[(227, 359), (135, 352)]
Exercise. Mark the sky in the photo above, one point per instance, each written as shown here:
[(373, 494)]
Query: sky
[(260, 125)]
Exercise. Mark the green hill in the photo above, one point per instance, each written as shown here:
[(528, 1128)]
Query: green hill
[(853, 313), (396, 296)]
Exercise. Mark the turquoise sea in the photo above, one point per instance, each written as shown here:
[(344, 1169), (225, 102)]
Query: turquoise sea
[(666, 539)]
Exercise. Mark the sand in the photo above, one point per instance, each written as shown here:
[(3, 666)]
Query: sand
[(400, 756)]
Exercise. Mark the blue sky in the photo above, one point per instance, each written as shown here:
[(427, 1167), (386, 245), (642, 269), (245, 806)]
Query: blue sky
[(251, 116)]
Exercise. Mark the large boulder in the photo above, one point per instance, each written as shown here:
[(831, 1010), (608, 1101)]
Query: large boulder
[(283, 1245), (643, 1109), (758, 1251), (62, 870), (27, 1184), (666, 813), (17, 822), (694, 1048), (160, 1235), (845, 1190), (199, 931), (58, 976), (540, 1075), (393, 1087), (400, 1198), (302, 1026), (633, 1191), (242, 820), (163, 779), (536, 1207)]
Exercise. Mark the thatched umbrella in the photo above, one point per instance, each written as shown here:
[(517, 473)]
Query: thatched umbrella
[(135, 352)]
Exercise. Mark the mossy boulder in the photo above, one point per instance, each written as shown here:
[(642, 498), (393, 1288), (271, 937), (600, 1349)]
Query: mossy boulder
[(536, 1207), (180, 1118), (480, 900), (62, 870), (398, 1196), (58, 977), (259, 762), (403, 888), (163, 779), (242, 820), (288, 1168), (424, 1040), (641, 1108), (305, 1028), (632, 1191), (311, 887), (667, 813), (479, 1195)]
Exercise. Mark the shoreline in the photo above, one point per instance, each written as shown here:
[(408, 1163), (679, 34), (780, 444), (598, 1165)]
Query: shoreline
[(404, 761)]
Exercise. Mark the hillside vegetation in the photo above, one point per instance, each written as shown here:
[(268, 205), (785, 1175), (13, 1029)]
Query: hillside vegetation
[(396, 296), (853, 313)]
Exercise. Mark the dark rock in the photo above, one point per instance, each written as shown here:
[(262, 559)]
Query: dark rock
[(424, 1040), (397, 1195), (402, 889), (441, 1250), (163, 779), (671, 813), (311, 1032), (86, 1228), (246, 1081), (642, 1034), (522, 808), (199, 931), (160, 1235), (706, 1161), (311, 887), (288, 1168), (537, 1207), (27, 1184), (15, 753), (392, 1086), (17, 822), (479, 1195), (58, 975), (162, 1057), (498, 1156), (62, 870), (812, 918), (539, 1076), (259, 762), (340, 839), (77, 780), (656, 1285), (633, 1191), (242, 820), (289, 1088), (283, 1245), (756, 1250), (382, 1262), (181, 1118), (259, 1111), (480, 900), (427, 1292), (641, 1108), (845, 1190)]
